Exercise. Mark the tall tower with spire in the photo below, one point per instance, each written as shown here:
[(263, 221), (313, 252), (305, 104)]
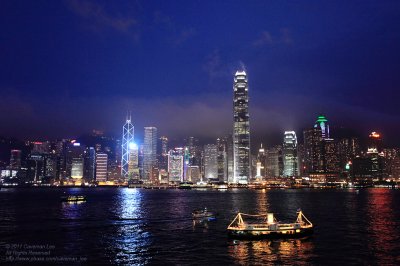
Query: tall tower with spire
[(127, 140), (241, 128)]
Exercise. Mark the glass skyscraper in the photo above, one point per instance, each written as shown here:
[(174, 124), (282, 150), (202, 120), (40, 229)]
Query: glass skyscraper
[(149, 151), (127, 139), (290, 154), (241, 129), (210, 162), (175, 165)]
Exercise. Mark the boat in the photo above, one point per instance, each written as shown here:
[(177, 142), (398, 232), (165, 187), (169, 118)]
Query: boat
[(266, 226), (220, 185), (73, 198), (202, 185), (203, 213), (185, 185)]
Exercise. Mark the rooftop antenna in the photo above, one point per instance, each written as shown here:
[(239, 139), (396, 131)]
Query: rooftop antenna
[(128, 116)]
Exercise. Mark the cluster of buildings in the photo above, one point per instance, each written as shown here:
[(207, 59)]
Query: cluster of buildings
[(321, 159), (101, 160)]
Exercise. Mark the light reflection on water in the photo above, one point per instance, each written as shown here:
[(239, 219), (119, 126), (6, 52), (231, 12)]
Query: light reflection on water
[(132, 240), (382, 226), (262, 202), (293, 251)]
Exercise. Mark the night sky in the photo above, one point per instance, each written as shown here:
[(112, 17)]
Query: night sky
[(67, 67)]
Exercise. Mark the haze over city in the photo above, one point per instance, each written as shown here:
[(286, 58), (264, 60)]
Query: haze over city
[(72, 66)]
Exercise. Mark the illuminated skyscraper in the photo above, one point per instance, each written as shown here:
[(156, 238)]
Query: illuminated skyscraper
[(101, 167), (75, 156), (374, 154), (320, 153), (229, 158), (241, 129), (127, 138), (322, 123), (89, 164), (290, 154), (261, 159), (274, 164), (194, 150), (77, 168), (133, 164), (164, 146), (222, 162), (162, 153), (175, 165), (348, 149), (374, 142), (149, 151), (330, 156), (210, 162), (15, 159), (313, 153)]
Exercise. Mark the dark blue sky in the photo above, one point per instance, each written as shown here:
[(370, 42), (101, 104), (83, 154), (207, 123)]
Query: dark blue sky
[(68, 67)]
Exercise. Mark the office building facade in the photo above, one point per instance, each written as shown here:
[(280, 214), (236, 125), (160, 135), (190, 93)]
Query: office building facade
[(241, 129)]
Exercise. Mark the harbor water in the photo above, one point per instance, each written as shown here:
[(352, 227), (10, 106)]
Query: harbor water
[(144, 226)]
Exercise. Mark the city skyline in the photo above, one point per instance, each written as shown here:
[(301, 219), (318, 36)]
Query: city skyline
[(322, 159), (123, 57)]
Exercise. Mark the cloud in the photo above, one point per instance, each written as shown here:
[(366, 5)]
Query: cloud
[(206, 116), (213, 65), (98, 19), (177, 35), (266, 38)]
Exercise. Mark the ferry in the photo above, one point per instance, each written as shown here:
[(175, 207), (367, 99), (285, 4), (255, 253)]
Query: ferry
[(73, 198), (185, 185), (202, 185), (220, 185), (266, 226)]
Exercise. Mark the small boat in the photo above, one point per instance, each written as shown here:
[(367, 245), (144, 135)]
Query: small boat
[(185, 185), (73, 198), (266, 226), (203, 213)]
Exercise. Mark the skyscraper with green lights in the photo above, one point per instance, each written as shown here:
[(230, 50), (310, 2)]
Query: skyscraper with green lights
[(322, 123)]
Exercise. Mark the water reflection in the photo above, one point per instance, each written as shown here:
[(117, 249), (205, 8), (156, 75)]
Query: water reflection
[(130, 202), (201, 224), (131, 240), (291, 251), (383, 227), (262, 202)]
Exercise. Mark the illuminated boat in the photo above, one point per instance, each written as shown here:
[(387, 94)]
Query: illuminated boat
[(203, 213), (185, 185), (266, 226), (73, 198), (220, 185)]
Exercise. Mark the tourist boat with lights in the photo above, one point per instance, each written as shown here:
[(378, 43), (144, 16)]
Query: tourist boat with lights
[(73, 198), (266, 226)]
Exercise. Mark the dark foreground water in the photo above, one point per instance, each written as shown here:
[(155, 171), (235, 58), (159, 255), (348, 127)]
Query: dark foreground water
[(138, 226)]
